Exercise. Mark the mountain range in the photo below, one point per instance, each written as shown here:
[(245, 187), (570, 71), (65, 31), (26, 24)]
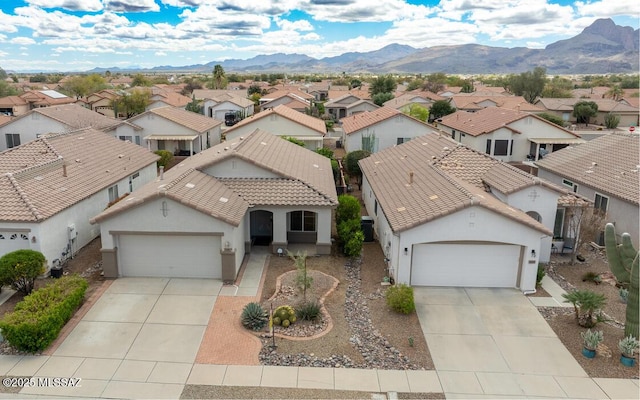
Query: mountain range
[(601, 48)]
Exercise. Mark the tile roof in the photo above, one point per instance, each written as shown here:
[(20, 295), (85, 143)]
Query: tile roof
[(33, 185), (286, 112), (340, 100), (604, 105), (447, 177), (10, 101), (171, 98), (73, 116), (472, 101), (356, 122), (360, 93), (286, 92), (488, 120), (194, 121), (609, 164), (306, 178), (407, 99)]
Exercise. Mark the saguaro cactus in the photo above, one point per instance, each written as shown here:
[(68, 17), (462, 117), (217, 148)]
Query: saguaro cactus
[(623, 261)]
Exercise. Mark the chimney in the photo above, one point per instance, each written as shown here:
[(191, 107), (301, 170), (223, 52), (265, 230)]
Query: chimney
[(410, 177), (64, 169), (161, 172)]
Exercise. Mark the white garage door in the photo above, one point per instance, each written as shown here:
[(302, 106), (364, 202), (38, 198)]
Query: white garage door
[(220, 114), (12, 241), (465, 264), (170, 256)]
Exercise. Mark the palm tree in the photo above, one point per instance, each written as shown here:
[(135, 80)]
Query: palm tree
[(218, 76), (615, 92), (587, 305)]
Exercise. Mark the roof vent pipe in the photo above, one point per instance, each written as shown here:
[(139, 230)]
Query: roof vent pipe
[(410, 177), (64, 169), (161, 172)]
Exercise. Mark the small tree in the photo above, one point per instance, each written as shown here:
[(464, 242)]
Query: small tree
[(302, 279), (351, 163), (440, 108), (380, 98), (554, 119), (585, 223), (587, 305), (19, 269), (418, 112), (611, 121), (165, 158), (194, 106), (584, 111), (294, 140), (353, 245)]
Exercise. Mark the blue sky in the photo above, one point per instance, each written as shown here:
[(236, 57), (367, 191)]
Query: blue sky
[(78, 35)]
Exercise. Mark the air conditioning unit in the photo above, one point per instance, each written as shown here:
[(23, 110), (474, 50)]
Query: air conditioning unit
[(71, 230)]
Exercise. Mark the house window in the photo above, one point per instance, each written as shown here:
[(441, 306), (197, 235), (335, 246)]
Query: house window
[(113, 193), (13, 139), (601, 203), (572, 185), (375, 207), (488, 149), (501, 148), (453, 134), (137, 140), (302, 221), (558, 227), (401, 140)]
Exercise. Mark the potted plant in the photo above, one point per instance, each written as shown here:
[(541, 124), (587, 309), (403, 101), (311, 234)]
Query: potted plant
[(591, 340), (628, 347)]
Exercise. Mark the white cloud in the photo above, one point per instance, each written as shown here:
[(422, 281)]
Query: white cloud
[(73, 5), (300, 25), (6, 24), (22, 40), (608, 8), (160, 53), (131, 5), (361, 10)]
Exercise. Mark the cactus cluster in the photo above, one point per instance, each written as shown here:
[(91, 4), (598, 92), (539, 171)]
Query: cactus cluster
[(624, 263), (284, 316)]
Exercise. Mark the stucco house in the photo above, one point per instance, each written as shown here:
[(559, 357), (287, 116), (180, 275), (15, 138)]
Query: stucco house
[(167, 98), (167, 128), (404, 101), (100, 102), (563, 108), (217, 106), (605, 171), (447, 215), (508, 135), (282, 121), (379, 129), (54, 119), (199, 218), (337, 108), (291, 100), (52, 186)]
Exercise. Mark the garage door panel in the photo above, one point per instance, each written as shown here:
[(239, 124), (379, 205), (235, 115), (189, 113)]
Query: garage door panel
[(12, 241), (465, 265), (170, 256)]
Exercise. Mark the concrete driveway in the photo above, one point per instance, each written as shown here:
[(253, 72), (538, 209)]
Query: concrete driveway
[(493, 342)]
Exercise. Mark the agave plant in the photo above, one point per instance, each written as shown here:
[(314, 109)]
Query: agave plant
[(254, 317)]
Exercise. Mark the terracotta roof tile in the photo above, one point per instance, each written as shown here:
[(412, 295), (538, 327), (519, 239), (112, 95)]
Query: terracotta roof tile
[(73, 116), (488, 120), (472, 101), (608, 164), (194, 121), (282, 110), (306, 178), (34, 186), (366, 119), (432, 176)]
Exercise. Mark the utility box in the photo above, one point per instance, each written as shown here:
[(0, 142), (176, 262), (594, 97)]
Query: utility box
[(366, 224)]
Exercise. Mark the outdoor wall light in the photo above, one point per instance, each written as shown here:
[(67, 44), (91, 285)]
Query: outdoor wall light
[(406, 251), (533, 253)]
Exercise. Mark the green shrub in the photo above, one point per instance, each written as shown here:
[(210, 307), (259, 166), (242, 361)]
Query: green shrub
[(400, 298), (254, 317), (587, 305), (353, 245), (591, 277), (348, 209), (308, 311), (541, 273), (19, 269), (294, 140), (165, 158), (37, 320), (325, 151)]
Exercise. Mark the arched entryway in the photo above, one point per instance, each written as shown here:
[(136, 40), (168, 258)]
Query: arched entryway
[(261, 229)]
